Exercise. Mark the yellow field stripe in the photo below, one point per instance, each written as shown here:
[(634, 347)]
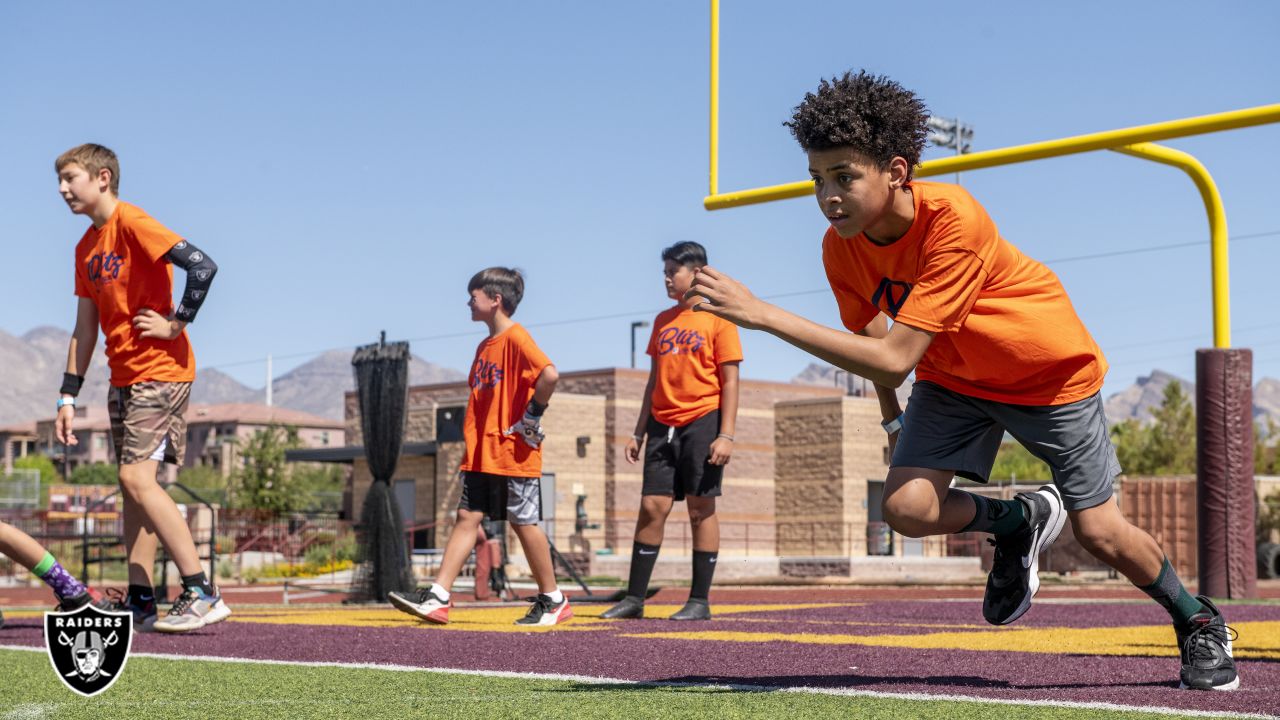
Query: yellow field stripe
[(1258, 640), (475, 619)]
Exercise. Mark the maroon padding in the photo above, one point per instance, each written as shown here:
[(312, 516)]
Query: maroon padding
[(1224, 473)]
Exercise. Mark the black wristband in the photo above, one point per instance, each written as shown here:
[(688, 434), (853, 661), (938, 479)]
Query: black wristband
[(71, 384), (535, 408)]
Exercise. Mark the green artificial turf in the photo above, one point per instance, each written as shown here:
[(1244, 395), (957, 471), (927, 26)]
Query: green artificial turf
[(173, 689)]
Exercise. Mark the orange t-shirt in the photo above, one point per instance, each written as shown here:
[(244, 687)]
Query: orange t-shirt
[(688, 349), (502, 379), (1005, 328), (121, 267)]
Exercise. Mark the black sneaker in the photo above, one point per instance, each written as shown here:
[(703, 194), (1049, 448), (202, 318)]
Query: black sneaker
[(630, 607), (693, 610), (1205, 643), (1014, 577), (546, 612)]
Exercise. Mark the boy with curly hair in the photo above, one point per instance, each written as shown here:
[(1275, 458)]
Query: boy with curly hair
[(995, 345)]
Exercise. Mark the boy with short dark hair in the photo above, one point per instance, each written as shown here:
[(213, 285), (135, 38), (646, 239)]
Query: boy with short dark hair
[(686, 422), (124, 282), (996, 346), (511, 383)]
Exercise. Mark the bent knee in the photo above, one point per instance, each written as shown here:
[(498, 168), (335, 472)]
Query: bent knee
[(135, 479), (909, 517)]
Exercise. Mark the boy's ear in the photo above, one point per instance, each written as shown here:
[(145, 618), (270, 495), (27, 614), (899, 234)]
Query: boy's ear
[(898, 172), (104, 179)]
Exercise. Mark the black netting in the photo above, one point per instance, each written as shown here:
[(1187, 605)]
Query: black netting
[(382, 380)]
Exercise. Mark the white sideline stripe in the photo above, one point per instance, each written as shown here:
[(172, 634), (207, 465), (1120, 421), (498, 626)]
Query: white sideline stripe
[(850, 692)]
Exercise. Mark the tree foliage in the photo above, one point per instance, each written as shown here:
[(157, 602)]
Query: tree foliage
[(1166, 445), (48, 471), (262, 481), (1016, 463), (1266, 448), (96, 474)]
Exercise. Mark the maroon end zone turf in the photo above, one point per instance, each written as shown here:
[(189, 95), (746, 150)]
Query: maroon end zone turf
[(621, 650)]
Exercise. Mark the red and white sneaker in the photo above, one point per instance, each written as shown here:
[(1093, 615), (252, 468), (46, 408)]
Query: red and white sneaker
[(547, 612), (422, 603)]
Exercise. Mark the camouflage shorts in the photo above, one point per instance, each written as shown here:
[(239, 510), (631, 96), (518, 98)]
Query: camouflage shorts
[(145, 415)]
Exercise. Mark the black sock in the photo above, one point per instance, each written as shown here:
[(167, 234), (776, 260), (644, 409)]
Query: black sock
[(198, 580), (704, 567), (141, 594), (643, 558), (998, 517)]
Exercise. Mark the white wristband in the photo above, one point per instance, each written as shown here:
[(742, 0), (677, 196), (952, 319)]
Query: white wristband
[(892, 426)]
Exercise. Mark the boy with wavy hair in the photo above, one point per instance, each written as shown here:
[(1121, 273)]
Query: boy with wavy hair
[(511, 383), (995, 345), (124, 282)]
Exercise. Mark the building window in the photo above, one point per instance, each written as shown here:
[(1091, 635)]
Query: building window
[(324, 438), (449, 423)]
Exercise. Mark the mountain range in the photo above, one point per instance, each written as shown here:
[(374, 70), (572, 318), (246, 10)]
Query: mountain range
[(33, 364), (1133, 403)]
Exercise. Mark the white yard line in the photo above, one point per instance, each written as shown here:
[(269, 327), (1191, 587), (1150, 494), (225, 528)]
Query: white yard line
[(849, 692)]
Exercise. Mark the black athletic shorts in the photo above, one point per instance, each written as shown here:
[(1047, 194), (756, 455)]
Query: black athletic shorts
[(675, 458), (502, 498)]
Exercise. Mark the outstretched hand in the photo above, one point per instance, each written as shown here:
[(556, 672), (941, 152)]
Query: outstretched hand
[(726, 298)]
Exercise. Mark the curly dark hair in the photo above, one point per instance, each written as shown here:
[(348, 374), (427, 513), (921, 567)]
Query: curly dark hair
[(870, 113)]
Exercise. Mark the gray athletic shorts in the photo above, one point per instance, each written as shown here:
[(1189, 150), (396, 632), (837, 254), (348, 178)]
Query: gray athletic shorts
[(944, 430), (500, 497)]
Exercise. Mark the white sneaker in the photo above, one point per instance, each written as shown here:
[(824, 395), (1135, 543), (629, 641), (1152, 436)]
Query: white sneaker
[(423, 604), (545, 611), (192, 611)]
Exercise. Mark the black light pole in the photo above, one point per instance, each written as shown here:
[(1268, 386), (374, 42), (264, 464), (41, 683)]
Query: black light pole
[(634, 326)]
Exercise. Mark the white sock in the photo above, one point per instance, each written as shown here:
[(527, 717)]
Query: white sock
[(556, 596), (440, 592)]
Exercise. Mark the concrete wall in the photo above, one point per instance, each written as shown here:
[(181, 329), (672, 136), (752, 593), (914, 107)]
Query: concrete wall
[(827, 451)]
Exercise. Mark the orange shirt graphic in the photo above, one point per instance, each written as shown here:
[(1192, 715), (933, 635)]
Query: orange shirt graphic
[(502, 379), (1005, 328), (121, 267), (688, 348)]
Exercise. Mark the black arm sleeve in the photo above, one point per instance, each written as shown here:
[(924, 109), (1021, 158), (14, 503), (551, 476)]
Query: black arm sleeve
[(200, 271)]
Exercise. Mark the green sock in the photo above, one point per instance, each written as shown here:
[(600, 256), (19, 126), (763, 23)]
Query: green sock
[(998, 517), (44, 565), (1172, 595)]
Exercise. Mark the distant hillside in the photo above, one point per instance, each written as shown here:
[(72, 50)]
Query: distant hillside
[(1134, 402), (317, 387), (33, 365)]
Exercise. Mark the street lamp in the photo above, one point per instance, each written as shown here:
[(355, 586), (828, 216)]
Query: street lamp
[(951, 133), (634, 326)]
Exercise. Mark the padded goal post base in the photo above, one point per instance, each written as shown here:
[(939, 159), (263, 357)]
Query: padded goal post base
[(1224, 473)]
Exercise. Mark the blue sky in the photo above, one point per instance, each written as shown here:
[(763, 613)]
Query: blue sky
[(349, 166)]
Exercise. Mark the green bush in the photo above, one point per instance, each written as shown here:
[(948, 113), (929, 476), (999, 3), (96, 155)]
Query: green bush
[(96, 474)]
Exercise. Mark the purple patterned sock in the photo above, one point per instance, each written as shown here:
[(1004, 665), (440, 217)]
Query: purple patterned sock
[(63, 584)]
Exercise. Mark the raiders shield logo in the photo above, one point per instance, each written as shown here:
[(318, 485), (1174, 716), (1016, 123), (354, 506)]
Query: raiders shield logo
[(88, 647)]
